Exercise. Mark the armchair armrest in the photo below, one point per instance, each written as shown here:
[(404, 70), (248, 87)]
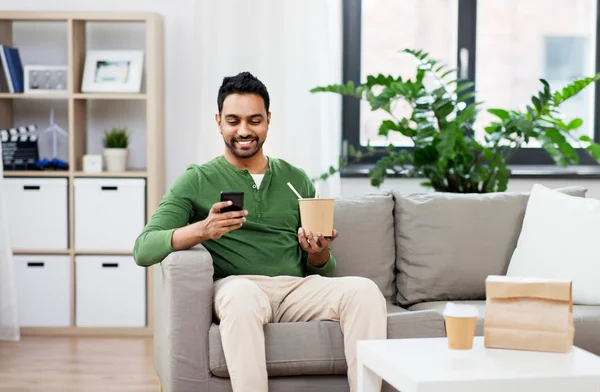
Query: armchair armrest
[(183, 310)]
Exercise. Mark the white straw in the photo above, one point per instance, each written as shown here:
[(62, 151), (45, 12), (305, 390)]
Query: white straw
[(316, 190), (294, 190)]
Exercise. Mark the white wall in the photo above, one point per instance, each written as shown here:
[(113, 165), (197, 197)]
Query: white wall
[(358, 186), (292, 46), (182, 133)]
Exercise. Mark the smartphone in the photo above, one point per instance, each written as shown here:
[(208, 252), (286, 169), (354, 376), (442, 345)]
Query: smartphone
[(237, 198)]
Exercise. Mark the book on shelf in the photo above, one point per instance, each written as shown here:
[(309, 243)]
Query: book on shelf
[(12, 68), (3, 79)]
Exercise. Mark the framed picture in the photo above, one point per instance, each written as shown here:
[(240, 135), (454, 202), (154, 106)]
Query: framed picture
[(113, 71), (42, 79)]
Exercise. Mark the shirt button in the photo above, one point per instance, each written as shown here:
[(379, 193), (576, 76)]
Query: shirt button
[(258, 215), (254, 186)]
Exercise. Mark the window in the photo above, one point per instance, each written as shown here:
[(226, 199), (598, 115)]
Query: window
[(509, 45), (389, 26), (519, 42), (565, 59)]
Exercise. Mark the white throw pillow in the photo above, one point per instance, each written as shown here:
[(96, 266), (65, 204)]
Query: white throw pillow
[(559, 239)]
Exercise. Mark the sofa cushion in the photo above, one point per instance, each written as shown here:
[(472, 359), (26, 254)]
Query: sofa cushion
[(293, 349), (317, 347), (586, 319), (412, 325), (448, 244), (393, 308), (562, 247), (365, 246), (587, 327), (438, 307)]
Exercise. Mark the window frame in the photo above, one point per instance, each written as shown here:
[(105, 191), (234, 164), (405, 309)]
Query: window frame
[(467, 39)]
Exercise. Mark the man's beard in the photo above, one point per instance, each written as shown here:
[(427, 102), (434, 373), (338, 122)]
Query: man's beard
[(244, 153)]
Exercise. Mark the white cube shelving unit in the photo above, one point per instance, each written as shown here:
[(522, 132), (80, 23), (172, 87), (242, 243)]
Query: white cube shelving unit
[(110, 292), (37, 213), (73, 232), (109, 213), (43, 290)]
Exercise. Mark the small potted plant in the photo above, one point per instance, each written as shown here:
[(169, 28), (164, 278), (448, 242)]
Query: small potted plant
[(115, 149)]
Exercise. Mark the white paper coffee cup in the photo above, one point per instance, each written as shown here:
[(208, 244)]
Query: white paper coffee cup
[(461, 321)]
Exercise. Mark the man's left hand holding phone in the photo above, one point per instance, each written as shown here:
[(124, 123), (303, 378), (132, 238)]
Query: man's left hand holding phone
[(224, 216)]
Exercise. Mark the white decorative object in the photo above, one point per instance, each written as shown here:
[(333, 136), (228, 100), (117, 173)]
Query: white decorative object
[(43, 79), (55, 130), (412, 365), (92, 163), (114, 71), (558, 240), (116, 159)]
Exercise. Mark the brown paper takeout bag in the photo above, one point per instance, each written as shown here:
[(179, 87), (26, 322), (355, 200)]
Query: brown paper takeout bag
[(528, 314)]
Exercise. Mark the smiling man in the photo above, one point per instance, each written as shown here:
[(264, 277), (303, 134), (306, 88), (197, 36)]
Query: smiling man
[(267, 268)]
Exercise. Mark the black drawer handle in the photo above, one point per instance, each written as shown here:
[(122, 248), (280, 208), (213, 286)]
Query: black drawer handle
[(110, 188), (35, 264), (31, 187), (110, 265)]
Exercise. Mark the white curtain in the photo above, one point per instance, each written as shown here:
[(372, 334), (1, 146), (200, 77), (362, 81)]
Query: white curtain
[(290, 45), (9, 326)]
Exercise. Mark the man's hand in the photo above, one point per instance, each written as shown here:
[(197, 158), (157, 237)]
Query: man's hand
[(316, 245), (214, 226), (218, 223)]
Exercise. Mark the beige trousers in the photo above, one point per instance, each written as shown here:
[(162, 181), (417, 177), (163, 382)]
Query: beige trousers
[(245, 303)]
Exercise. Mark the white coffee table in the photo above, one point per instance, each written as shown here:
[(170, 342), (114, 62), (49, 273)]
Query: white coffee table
[(427, 365)]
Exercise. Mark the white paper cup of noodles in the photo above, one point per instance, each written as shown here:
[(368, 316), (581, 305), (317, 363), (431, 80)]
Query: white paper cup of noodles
[(461, 321)]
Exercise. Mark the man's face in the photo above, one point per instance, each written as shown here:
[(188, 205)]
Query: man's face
[(244, 123)]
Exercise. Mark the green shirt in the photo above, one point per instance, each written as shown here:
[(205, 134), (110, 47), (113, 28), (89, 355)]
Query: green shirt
[(266, 244)]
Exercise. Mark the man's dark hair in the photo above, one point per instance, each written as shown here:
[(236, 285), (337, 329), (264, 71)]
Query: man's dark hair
[(242, 83)]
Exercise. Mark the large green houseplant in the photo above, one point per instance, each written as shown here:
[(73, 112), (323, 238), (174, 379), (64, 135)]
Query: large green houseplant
[(441, 128)]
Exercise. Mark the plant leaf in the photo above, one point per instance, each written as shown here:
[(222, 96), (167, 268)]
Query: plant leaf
[(467, 115), (386, 126), (445, 110), (537, 104), (574, 124), (447, 141), (462, 86), (594, 150), (352, 150), (500, 113), (466, 96)]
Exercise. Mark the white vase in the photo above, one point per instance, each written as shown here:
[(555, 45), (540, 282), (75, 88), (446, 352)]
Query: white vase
[(116, 159)]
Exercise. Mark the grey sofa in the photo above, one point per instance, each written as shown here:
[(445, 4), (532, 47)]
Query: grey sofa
[(420, 249)]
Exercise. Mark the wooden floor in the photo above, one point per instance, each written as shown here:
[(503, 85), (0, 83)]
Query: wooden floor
[(48, 364)]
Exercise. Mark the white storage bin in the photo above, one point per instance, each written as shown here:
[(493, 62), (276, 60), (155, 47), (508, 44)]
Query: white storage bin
[(110, 292), (37, 213), (109, 213), (43, 290)]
